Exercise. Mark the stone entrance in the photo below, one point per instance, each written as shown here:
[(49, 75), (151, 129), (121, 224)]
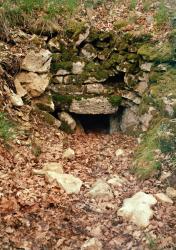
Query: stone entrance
[(93, 123), (100, 123)]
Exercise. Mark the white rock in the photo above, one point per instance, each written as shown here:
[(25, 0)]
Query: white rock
[(116, 181), (31, 83), (137, 208), (38, 62), (78, 67), (163, 198), (62, 72), (69, 154), (68, 120), (16, 100), (100, 189), (171, 192), (92, 244), (54, 44), (94, 105), (50, 166), (68, 182), (119, 152), (96, 88), (146, 67)]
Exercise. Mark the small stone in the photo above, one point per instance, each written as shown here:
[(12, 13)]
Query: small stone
[(69, 154), (171, 192), (92, 244), (137, 208), (102, 190), (50, 166), (16, 100), (163, 198), (146, 67), (68, 182), (78, 67), (116, 181), (119, 152)]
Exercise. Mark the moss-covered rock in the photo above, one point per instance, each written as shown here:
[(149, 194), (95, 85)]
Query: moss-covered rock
[(62, 101), (156, 52), (74, 28)]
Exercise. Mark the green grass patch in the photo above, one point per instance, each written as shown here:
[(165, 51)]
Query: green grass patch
[(7, 128), (115, 100), (162, 15)]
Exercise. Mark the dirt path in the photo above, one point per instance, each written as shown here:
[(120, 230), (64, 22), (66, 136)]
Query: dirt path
[(36, 214)]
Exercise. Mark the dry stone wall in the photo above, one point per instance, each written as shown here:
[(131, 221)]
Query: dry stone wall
[(85, 71)]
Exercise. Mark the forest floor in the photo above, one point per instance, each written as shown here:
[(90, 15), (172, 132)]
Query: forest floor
[(38, 215)]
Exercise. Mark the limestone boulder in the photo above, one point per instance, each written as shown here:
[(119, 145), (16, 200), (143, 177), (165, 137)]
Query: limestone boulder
[(94, 105), (137, 209), (31, 83), (96, 88), (130, 119), (68, 182), (101, 190), (68, 123), (92, 244), (78, 67), (54, 172), (38, 62)]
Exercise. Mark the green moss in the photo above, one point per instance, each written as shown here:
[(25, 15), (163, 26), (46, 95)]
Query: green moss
[(62, 99), (161, 137), (115, 100), (55, 66), (99, 36), (96, 70), (158, 53), (74, 28), (114, 60), (145, 163), (7, 128)]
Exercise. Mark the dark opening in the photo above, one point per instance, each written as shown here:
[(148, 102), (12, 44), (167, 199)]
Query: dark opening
[(117, 80), (93, 123)]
